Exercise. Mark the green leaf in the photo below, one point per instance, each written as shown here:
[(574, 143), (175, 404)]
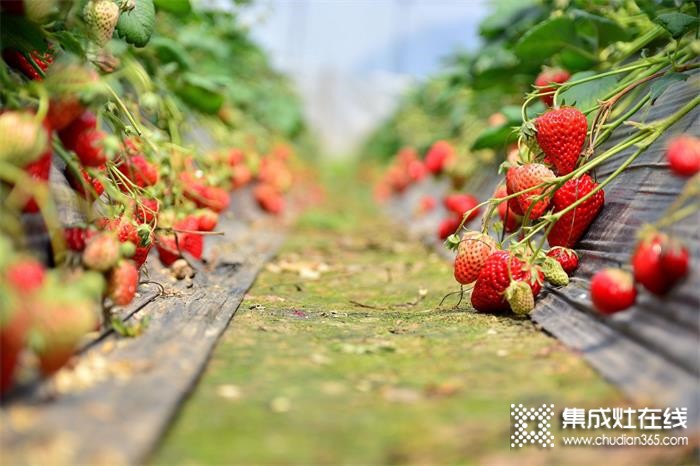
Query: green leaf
[(676, 23), (603, 30), (136, 26), (177, 7), (661, 84), (69, 41), (18, 33), (546, 39), (495, 137), (200, 93), (586, 95), (170, 51)]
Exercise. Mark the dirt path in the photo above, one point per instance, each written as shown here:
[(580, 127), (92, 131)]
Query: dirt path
[(340, 355)]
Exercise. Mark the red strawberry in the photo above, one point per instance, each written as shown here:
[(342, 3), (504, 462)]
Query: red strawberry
[(88, 147), (14, 324), (235, 157), (659, 263), (240, 176), (167, 249), (416, 170), (498, 272), (525, 177), (567, 258), (75, 238), (191, 243), (269, 199), (25, 275), (216, 199), (448, 226), (139, 170), (147, 210), (506, 210), (439, 156), (63, 111), (612, 290), (675, 261), (683, 155), (426, 204), (122, 283), (472, 252), (549, 76), (561, 133), (91, 187), (18, 61), (274, 172), (397, 178), (460, 204), (86, 121), (101, 252), (571, 227), (39, 169), (207, 220)]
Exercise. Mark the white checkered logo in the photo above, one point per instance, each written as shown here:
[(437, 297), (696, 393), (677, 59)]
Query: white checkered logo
[(531, 426)]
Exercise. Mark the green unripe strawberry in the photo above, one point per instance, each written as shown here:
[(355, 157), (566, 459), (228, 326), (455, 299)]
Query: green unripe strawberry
[(519, 296), (23, 138), (554, 273), (101, 16)]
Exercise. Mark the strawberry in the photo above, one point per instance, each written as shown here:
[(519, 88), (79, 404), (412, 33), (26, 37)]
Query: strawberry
[(14, 324), (612, 290), (24, 139), (448, 226), (397, 178), (567, 258), (215, 198), (274, 172), (511, 220), (63, 111), (659, 263), (90, 187), (426, 204), (547, 77), (561, 133), (101, 17), (60, 322), (460, 204), (25, 275), (167, 249), (525, 177), (147, 210), (675, 261), (513, 204), (269, 199), (440, 154), (472, 252), (88, 147), (416, 170), (207, 220), (240, 176), (39, 170), (122, 283), (17, 60), (495, 277), (86, 121), (235, 157), (554, 273), (139, 170), (572, 225), (520, 298), (75, 238), (189, 242), (101, 252), (683, 155)]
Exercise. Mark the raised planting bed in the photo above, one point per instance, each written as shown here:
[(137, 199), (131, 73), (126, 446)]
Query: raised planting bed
[(113, 405), (651, 350)]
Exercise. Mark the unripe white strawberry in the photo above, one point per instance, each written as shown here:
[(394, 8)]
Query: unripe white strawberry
[(519, 296), (101, 16), (554, 273), (23, 138)]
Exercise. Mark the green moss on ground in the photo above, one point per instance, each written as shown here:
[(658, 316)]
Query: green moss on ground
[(359, 366)]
